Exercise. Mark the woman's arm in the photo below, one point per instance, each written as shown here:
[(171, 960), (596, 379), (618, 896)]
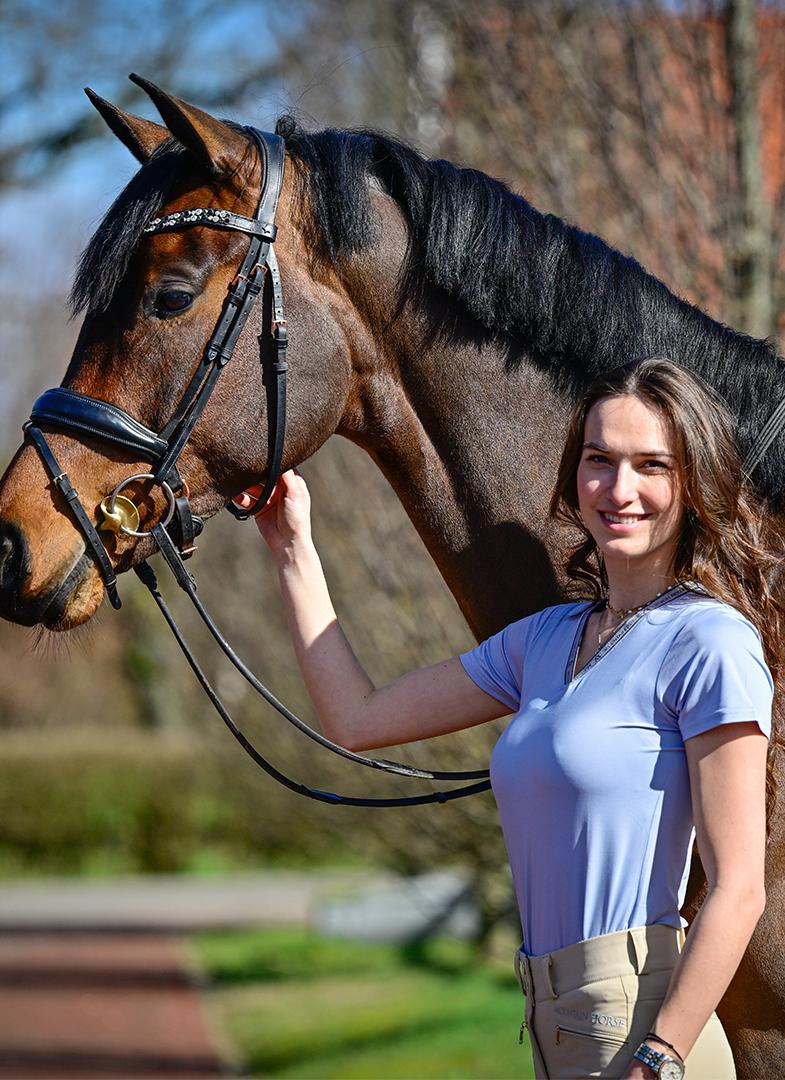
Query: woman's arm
[(352, 711), (727, 766)]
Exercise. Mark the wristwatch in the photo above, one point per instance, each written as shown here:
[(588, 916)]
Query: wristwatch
[(665, 1066)]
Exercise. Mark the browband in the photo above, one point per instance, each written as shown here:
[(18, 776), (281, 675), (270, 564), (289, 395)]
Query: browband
[(222, 219)]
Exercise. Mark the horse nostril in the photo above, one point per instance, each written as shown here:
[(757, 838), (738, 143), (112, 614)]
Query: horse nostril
[(14, 558), (6, 548)]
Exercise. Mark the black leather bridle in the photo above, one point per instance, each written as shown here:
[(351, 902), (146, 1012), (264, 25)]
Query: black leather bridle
[(74, 413), (67, 410)]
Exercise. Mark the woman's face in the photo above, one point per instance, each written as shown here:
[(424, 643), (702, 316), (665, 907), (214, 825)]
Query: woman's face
[(629, 490)]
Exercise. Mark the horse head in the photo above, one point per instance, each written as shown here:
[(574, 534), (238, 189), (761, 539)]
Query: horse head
[(152, 301)]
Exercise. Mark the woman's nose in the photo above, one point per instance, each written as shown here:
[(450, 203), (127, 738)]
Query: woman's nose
[(622, 485)]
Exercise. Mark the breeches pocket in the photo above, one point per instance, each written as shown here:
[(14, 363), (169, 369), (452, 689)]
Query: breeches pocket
[(585, 1031)]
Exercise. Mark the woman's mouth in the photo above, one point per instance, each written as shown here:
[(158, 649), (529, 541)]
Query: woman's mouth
[(621, 522)]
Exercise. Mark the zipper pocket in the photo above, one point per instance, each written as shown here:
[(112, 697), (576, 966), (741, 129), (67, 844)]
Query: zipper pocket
[(599, 1036)]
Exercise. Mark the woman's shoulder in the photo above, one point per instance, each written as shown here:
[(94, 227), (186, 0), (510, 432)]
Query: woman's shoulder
[(714, 671), (553, 615), (702, 619), (556, 617), (547, 623)]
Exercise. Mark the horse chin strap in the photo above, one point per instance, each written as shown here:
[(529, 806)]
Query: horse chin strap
[(74, 413)]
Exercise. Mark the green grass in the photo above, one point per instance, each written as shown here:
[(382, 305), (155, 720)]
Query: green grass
[(297, 1005)]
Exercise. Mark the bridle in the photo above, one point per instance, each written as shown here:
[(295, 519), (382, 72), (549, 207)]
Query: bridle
[(77, 413), (74, 413)]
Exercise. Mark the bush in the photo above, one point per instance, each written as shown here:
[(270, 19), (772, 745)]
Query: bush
[(133, 802)]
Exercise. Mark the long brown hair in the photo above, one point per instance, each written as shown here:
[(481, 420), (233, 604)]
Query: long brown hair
[(725, 544)]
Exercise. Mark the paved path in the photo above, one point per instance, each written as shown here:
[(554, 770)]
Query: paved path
[(95, 983), (169, 903), (84, 1007)]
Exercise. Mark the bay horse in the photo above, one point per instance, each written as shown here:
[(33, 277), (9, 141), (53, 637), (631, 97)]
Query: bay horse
[(437, 320)]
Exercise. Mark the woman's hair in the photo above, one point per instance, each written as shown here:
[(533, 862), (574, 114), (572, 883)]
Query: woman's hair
[(726, 543)]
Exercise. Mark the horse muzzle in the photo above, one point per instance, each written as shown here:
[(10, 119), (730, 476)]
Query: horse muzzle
[(67, 599)]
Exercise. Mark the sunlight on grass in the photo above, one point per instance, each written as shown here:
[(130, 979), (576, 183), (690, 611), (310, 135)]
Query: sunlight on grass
[(297, 1005)]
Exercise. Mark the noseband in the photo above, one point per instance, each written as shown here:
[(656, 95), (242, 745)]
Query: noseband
[(74, 413)]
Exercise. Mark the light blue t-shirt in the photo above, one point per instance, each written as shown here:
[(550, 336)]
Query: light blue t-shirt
[(590, 776)]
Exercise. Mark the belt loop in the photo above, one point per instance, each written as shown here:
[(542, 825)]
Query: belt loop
[(638, 938), (542, 979), (520, 974)]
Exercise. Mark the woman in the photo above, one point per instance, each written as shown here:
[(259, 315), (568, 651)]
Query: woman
[(638, 714)]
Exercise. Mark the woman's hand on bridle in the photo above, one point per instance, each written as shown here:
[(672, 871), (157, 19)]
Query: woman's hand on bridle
[(285, 520)]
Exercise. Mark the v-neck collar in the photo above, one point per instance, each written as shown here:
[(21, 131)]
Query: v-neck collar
[(570, 674)]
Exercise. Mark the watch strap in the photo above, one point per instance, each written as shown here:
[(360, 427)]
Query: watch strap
[(655, 1059)]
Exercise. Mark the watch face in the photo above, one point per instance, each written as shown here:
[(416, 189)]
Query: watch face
[(671, 1070)]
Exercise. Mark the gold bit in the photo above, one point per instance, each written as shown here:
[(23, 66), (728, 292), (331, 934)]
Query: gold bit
[(123, 516)]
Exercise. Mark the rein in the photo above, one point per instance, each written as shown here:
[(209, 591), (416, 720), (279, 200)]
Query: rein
[(75, 413)]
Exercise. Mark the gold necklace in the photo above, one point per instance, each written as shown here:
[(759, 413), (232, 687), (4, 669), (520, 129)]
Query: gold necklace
[(624, 613)]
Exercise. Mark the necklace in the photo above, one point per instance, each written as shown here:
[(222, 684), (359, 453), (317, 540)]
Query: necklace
[(624, 613)]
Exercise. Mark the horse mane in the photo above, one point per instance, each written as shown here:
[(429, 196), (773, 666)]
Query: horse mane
[(544, 289)]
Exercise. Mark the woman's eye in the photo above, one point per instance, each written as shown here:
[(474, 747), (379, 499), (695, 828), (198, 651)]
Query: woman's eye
[(172, 301), (655, 465)]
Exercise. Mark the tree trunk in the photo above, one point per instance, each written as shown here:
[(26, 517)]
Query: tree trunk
[(750, 263)]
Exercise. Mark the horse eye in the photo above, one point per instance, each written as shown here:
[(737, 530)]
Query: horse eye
[(173, 301)]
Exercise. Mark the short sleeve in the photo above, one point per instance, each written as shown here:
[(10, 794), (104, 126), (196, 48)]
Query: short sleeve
[(496, 665), (715, 674)]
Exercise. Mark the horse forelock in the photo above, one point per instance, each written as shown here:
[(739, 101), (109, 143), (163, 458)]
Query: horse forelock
[(104, 262)]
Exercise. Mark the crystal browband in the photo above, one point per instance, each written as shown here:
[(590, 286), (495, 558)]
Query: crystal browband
[(224, 219)]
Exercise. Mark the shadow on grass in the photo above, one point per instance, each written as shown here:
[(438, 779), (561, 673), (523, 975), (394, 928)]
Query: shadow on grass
[(238, 958), (298, 1005), (440, 1030)]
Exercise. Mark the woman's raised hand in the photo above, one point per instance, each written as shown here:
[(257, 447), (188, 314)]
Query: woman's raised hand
[(352, 712), (285, 520)]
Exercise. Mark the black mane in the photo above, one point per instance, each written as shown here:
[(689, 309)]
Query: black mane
[(547, 290), (543, 288)]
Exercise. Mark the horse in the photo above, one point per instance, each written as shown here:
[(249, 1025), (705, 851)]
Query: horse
[(437, 320)]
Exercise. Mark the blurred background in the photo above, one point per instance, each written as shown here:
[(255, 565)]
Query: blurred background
[(658, 124)]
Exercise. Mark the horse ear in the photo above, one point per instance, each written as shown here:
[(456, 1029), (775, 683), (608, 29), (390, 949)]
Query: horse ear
[(219, 147), (142, 137)]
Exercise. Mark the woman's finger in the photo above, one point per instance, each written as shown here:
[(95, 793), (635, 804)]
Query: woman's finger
[(275, 497), (248, 496)]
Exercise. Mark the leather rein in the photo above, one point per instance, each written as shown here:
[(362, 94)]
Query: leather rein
[(78, 414)]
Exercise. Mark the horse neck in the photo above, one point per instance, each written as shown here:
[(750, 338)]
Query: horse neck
[(470, 448), (469, 435)]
